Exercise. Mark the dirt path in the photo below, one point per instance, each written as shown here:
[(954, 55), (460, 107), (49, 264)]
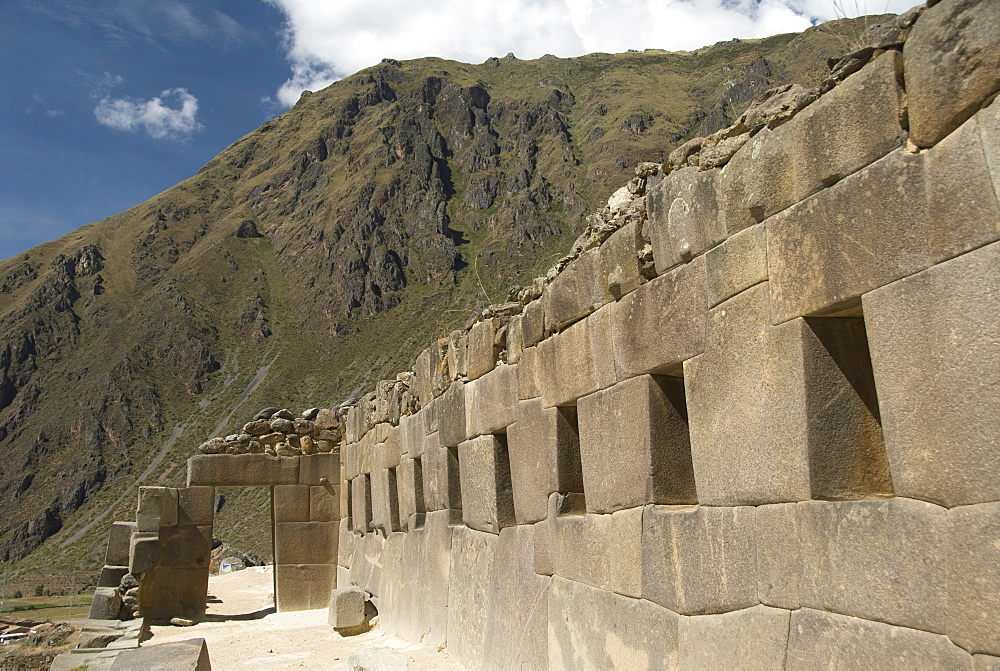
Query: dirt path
[(299, 640)]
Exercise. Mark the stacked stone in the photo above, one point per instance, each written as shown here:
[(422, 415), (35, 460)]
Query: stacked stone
[(769, 438), (279, 432)]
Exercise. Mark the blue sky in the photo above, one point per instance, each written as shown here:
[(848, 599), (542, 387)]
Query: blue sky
[(105, 103)]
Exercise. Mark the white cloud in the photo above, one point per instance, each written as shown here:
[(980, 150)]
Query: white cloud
[(328, 40), (170, 115)]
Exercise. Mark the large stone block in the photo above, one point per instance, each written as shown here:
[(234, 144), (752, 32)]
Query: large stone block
[(242, 470), (306, 542), (662, 323), (388, 452), (106, 604), (410, 483), (842, 642), (527, 374), (111, 576), (699, 560), (491, 407), (319, 469), (143, 551), (619, 256), (385, 500), (881, 560), (345, 546), (291, 503), (195, 505), (578, 361), (488, 501), (442, 483), (412, 434), (952, 64), (752, 638), (603, 551), (457, 355), (451, 415), (737, 264), (174, 592), (985, 663), (324, 504), (515, 339), (361, 503), (483, 348), (779, 559), (119, 538), (684, 217), (574, 293), (357, 425), (190, 655), (533, 323), (759, 179), (304, 586), (157, 507), (634, 445), (346, 608), (422, 384), (543, 549), (185, 547), (593, 629), (973, 568), (469, 590), (937, 368), (544, 448)]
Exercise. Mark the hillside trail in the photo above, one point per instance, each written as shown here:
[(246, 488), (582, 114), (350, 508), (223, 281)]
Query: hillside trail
[(243, 631)]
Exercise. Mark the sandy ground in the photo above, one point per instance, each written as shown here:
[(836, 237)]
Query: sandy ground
[(243, 631)]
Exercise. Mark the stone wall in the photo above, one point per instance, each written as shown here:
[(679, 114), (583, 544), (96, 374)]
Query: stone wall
[(753, 419)]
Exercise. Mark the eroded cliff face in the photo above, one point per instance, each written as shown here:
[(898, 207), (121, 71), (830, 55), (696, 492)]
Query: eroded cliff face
[(322, 250)]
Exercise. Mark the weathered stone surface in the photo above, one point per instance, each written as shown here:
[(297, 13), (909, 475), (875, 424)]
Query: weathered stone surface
[(985, 663), (184, 547), (544, 449), (737, 264), (345, 546), (838, 641), (952, 66), (413, 434), (684, 217), (603, 551), (346, 608), (988, 123), (937, 367), (619, 261), (779, 559), (191, 655), (410, 483), (662, 323), (456, 358), (306, 542), (483, 348), (574, 293), (242, 470), (111, 576), (142, 552), (578, 361), (527, 374), (361, 504), (366, 564), (451, 415), (490, 401), (291, 503), (385, 500), (119, 538), (543, 548), (315, 468), (759, 179), (881, 560), (533, 323), (699, 560), (594, 629), (157, 507), (106, 604), (469, 591), (634, 445), (195, 505), (174, 592), (515, 339), (442, 483), (488, 501), (973, 569), (304, 586), (752, 638), (324, 503)]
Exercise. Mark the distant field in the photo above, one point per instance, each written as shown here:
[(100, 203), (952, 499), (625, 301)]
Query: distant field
[(53, 608)]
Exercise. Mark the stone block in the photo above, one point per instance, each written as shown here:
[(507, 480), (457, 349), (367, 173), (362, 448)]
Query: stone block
[(574, 293), (937, 368), (319, 469), (157, 507), (603, 551), (111, 576), (759, 179), (324, 504), (699, 560), (190, 655), (174, 592), (488, 501), (578, 361), (619, 256), (662, 323), (824, 639), (544, 449), (593, 629), (106, 604), (291, 503), (385, 500), (737, 264), (195, 505), (423, 386), (442, 483), (451, 415), (143, 552), (185, 547), (457, 355), (346, 608), (973, 568), (483, 348), (303, 586), (779, 559), (952, 66), (306, 542), (985, 663), (470, 587), (515, 339), (634, 445), (490, 401), (343, 577), (345, 546), (783, 413), (880, 560), (352, 460), (543, 549), (361, 504), (961, 199), (366, 453), (527, 374), (752, 638), (356, 426), (242, 470), (684, 217), (119, 538), (867, 230), (410, 483), (533, 323)]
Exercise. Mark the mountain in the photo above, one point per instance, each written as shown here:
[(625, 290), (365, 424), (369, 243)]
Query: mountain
[(318, 254)]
